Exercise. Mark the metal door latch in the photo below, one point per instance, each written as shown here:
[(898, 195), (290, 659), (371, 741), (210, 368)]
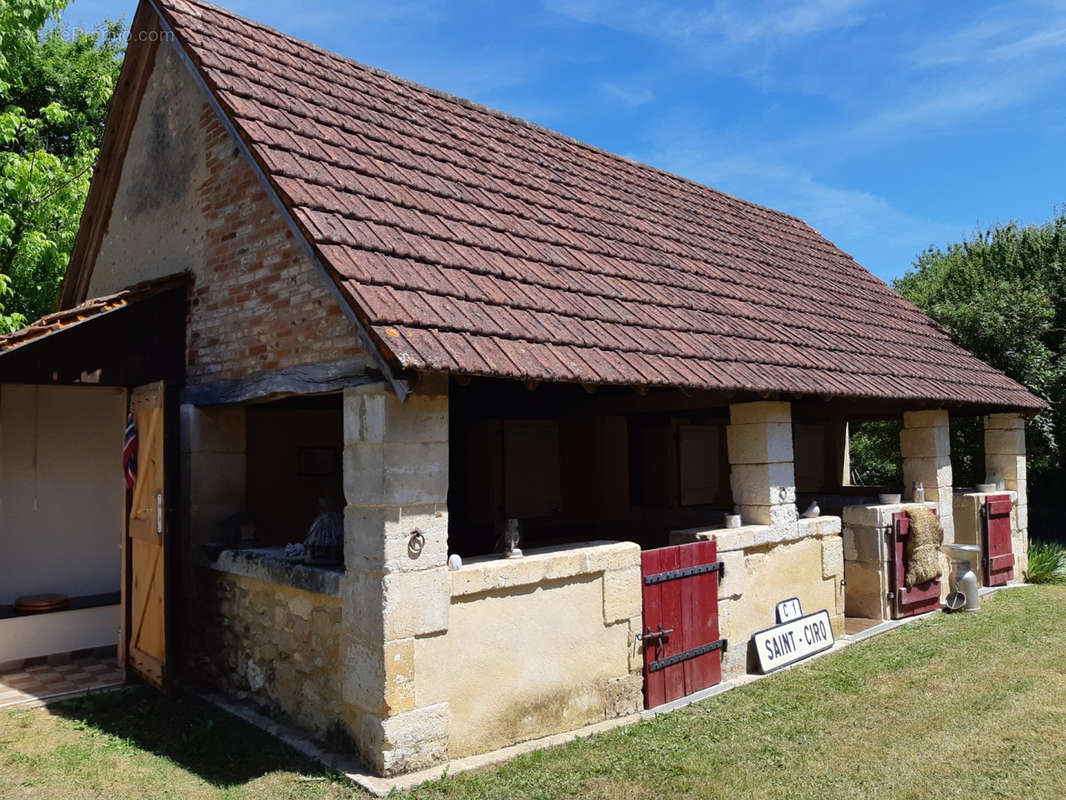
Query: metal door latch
[(660, 636)]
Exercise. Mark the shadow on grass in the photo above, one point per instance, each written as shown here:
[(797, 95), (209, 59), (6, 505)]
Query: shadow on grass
[(194, 735)]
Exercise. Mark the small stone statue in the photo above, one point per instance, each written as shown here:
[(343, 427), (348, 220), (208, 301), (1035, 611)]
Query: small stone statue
[(325, 539), (918, 494), (813, 510), (511, 536)]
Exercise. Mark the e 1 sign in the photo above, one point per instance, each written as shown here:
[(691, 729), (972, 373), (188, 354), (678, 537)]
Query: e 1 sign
[(788, 610), (793, 641)]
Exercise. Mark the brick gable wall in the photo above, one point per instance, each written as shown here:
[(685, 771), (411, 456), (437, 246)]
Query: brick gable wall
[(187, 200), (260, 303)]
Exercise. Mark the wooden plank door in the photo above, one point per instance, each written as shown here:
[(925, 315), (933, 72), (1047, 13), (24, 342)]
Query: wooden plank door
[(919, 599), (146, 545), (997, 558), (682, 651)]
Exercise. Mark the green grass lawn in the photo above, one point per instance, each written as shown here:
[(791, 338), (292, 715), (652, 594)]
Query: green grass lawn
[(967, 705)]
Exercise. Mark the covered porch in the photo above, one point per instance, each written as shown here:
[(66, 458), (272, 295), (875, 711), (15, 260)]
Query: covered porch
[(65, 386), (380, 648)]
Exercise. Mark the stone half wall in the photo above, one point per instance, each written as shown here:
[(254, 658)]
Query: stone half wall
[(535, 646), (767, 564), (276, 646), (189, 201)]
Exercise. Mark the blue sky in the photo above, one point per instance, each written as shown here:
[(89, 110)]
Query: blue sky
[(887, 126)]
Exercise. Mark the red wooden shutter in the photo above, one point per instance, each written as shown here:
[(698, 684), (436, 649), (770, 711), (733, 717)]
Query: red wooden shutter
[(998, 556), (907, 602), (682, 651)]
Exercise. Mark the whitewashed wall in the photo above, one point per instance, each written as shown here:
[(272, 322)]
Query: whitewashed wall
[(61, 489)]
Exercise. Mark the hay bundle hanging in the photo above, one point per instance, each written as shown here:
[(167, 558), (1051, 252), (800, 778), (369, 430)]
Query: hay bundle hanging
[(923, 547)]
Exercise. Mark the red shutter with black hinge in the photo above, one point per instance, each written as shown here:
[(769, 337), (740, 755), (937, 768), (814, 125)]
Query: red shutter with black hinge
[(919, 599), (682, 651), (998, 553)]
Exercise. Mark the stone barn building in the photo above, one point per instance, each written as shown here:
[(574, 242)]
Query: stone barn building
[(312, 287)]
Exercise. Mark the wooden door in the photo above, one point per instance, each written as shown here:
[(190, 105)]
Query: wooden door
[(682, 651), (146, 551), (997, 558), (918, 599)]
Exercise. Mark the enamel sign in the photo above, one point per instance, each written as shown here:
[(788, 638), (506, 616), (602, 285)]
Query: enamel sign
[(793, 641), (788, 610)]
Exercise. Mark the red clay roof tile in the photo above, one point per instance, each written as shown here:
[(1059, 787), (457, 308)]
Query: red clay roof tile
[(477, 243), (89, 311)]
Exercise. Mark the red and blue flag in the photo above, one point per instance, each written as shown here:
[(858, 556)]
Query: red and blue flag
[(129, 453)]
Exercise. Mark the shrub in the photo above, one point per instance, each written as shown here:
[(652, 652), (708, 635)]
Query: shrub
[(1047, 563)]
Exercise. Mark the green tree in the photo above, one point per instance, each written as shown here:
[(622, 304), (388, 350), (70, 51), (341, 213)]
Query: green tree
[(875, 455), (55, 85), (1002, 295)]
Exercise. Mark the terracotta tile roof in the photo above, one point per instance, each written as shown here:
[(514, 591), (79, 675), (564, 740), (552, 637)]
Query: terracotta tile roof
[(473, 242), (88, 311)]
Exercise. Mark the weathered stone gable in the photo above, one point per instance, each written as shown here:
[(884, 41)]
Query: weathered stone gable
[(189, 200)]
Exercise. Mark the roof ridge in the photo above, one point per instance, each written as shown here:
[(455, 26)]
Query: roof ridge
[(489, 110)]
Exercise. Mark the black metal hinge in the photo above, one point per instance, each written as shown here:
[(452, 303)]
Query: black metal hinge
[(685, 572), (669, 661)]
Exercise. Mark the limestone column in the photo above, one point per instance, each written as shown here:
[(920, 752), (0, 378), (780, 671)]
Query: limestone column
[(926, 444), (396, 585), (1005, 460), (762, 473)]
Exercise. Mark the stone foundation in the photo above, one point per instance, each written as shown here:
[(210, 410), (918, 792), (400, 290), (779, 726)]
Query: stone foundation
[(766, 564), (278, 647)]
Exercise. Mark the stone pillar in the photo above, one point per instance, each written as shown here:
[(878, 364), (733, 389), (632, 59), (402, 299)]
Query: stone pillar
[(762, 472), (213, 464), (1005, 460), (926, 444), (396, 585)]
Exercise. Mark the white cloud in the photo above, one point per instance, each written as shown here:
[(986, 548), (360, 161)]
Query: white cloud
[(629, 96), (958, 46), (753, 23), (354, 15), (1003, 34), (1028, 45), (722, 23), (943, 105)]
